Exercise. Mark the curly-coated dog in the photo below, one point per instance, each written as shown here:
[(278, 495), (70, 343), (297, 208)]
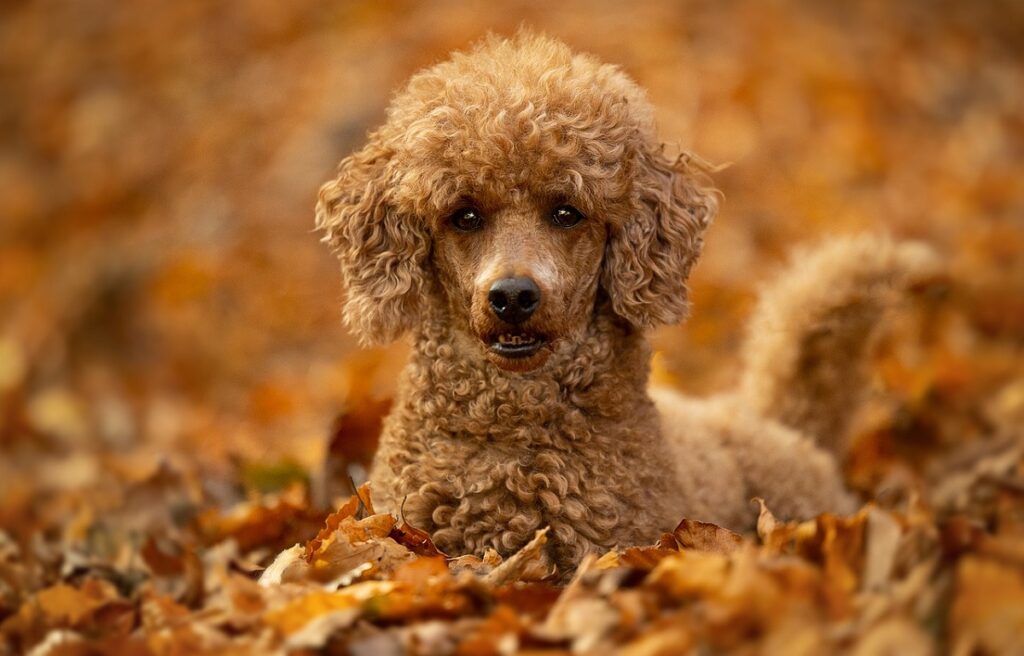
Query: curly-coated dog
[(517, 214)]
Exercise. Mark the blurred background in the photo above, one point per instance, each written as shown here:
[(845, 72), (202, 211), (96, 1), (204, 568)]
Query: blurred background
[(164, 299)]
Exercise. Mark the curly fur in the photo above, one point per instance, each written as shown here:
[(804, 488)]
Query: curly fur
[(481, 451), (804, 361), (382, 254)]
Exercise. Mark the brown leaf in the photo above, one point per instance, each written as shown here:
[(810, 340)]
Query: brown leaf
[(94, 608), (532, 600), (285, 520), (842, 550), (781, 537), (642, 558), (420, 570), (158, 611), (348, 509), (691, 573), (340, 555), (415, 540), (528, 564), (163, 557), (987, 615), (495, 635), (702, 536), (474, 564)]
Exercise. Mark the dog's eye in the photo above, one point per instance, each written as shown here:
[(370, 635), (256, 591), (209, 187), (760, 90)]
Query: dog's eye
[(467, 219), (566, 216)]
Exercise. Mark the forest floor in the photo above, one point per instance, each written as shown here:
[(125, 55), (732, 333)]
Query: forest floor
[(180, 407)]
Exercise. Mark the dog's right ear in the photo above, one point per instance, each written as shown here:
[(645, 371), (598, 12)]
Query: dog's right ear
[(383, 254)]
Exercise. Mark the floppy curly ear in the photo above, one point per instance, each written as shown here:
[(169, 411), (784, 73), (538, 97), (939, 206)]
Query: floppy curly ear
[(382, 253), (648, 257)]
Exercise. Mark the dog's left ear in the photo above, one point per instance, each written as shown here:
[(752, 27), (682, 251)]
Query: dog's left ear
[(383, 252), (648, 257)]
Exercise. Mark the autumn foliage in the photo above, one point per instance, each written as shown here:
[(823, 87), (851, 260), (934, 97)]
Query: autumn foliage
[(183, 420)]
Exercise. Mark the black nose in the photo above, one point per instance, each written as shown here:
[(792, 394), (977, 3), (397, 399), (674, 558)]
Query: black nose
[(514, 299)]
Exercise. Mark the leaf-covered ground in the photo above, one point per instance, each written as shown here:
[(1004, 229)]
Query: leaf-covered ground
[(180, 406)]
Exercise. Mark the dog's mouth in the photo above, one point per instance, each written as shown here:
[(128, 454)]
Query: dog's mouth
[(515, 345)]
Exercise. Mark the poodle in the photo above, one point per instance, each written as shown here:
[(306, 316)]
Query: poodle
[(517, 214)]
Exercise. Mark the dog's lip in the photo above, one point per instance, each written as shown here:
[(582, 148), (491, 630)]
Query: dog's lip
[(515, 344)]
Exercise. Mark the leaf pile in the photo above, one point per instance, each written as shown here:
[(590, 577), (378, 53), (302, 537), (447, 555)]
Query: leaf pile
[(180, 407), (901, 579)]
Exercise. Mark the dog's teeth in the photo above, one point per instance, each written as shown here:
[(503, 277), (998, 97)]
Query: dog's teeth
[(516, 340)]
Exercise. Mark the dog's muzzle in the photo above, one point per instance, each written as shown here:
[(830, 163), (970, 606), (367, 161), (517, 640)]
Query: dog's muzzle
[(514, 300)]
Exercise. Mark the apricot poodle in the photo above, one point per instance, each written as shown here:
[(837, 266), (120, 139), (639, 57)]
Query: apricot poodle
[(517, 214)]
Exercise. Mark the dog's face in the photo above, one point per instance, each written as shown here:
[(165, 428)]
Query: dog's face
[(518, 270), (514, 186)]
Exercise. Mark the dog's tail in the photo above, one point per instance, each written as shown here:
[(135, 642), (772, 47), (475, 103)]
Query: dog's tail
[(804, 356)]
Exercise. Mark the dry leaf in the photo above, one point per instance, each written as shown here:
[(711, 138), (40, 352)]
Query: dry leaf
[(987, 615), (702, 536), (528, 564)]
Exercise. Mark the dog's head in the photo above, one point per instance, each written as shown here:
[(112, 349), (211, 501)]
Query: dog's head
[(517, 186)]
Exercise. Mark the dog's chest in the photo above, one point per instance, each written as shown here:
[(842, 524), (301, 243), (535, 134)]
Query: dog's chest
[(482, 460), (474, 494)]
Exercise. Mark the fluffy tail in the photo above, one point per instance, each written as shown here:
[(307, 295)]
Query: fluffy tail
[(804, 357)]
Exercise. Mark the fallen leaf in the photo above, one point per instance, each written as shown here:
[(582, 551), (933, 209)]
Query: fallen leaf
[(702, 536), (883, 541), (528, 564), (987, 615), (415, 540)]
